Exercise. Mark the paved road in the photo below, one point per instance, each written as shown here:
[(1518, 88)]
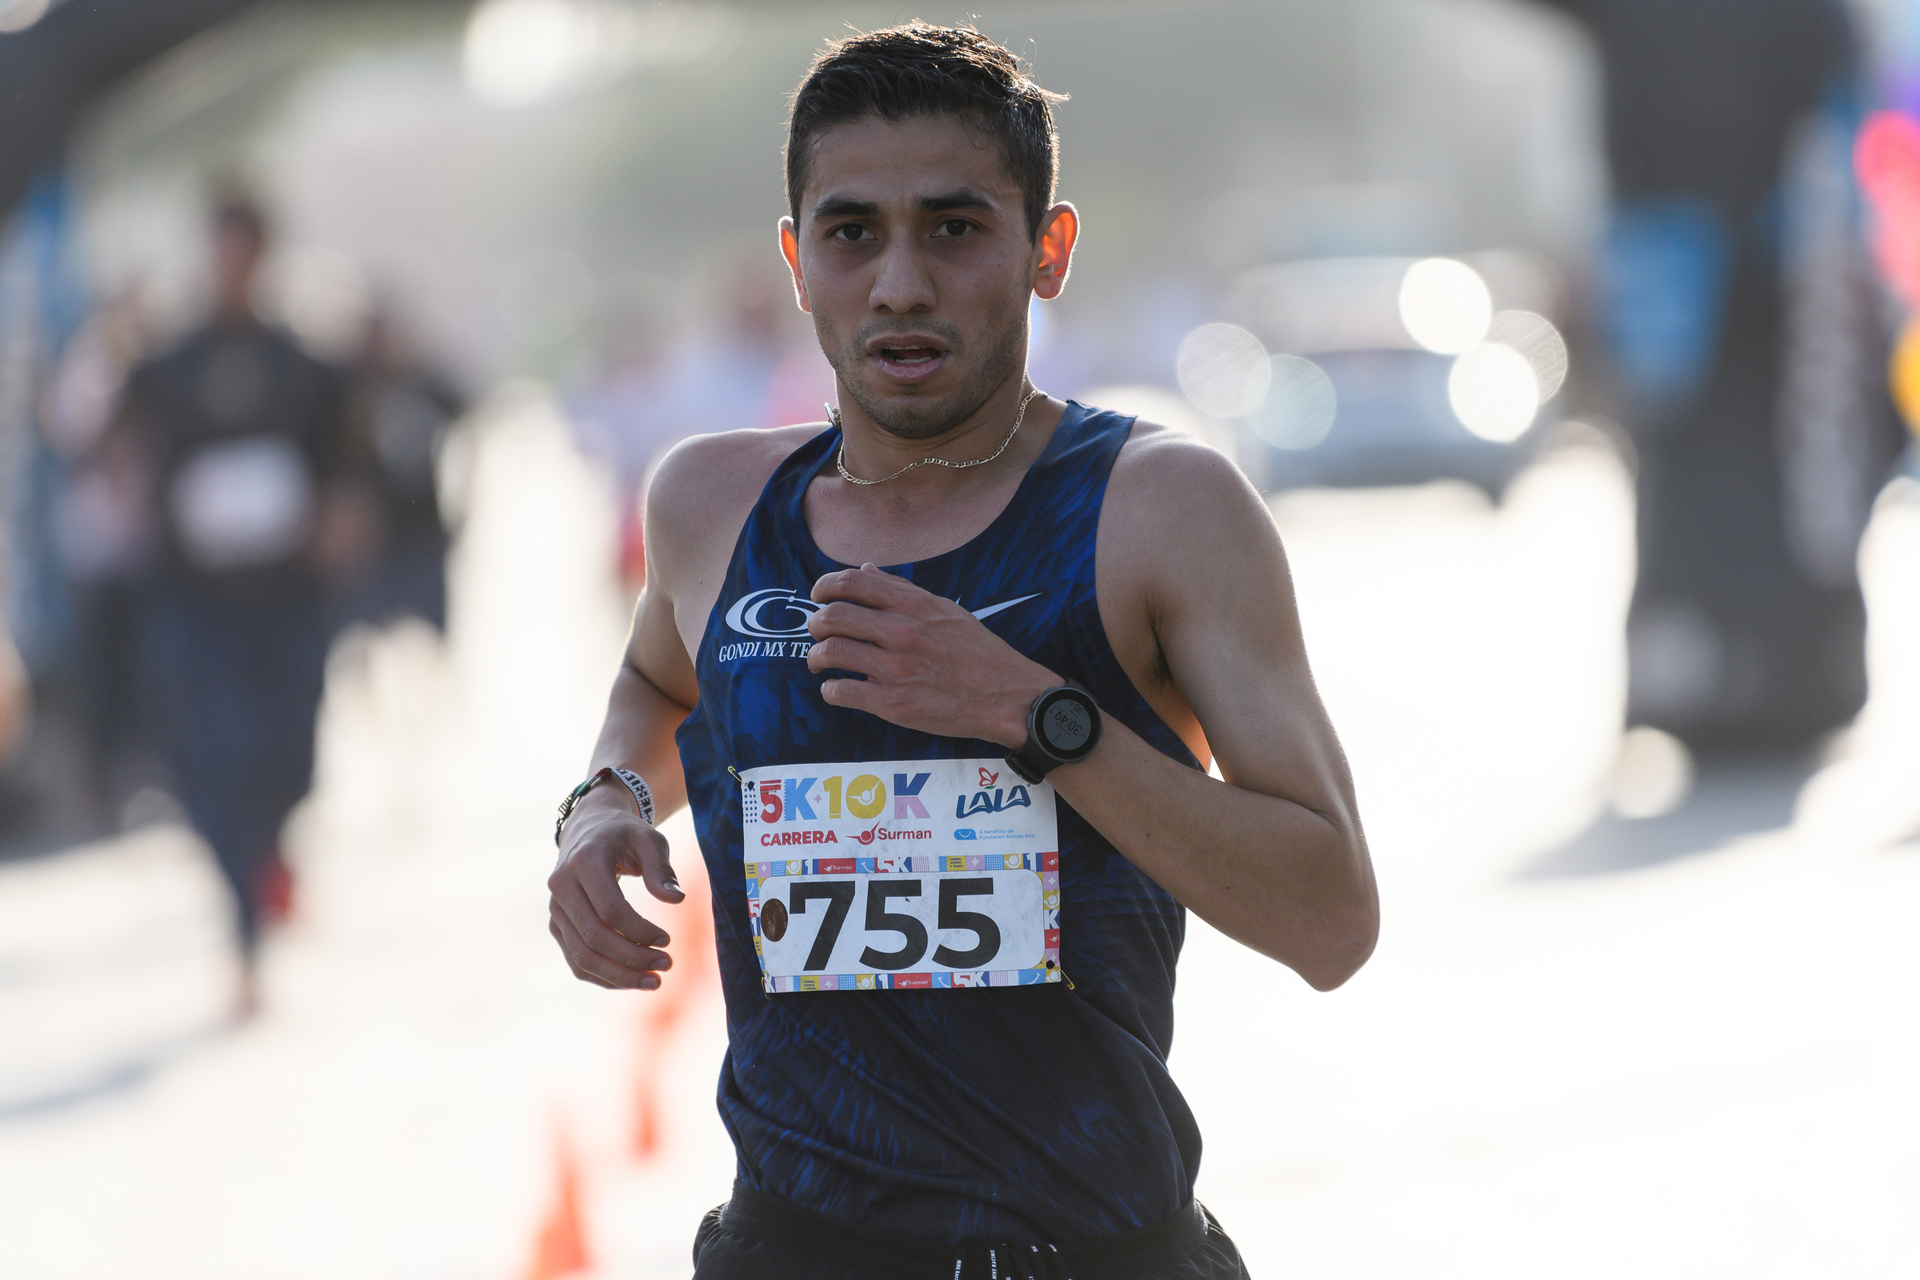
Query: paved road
[(1676, 1047)]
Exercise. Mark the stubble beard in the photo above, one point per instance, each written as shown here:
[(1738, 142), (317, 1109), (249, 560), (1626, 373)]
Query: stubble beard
[(924, 417)]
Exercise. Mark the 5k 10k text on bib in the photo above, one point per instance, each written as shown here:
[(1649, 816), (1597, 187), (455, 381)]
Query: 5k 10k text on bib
[(900, 874)]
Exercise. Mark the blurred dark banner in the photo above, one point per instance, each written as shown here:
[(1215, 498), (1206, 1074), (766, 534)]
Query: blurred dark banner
[(1748, 347), (52, 72)]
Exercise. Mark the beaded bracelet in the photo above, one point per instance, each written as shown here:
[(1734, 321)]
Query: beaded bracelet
[(642, 795)]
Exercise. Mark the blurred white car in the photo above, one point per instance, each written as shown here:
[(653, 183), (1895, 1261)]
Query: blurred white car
[(1382, 371)]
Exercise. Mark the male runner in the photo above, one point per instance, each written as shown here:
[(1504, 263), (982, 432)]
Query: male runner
[(953, 809)]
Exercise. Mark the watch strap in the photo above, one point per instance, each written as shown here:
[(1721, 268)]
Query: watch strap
[(1028, 762)]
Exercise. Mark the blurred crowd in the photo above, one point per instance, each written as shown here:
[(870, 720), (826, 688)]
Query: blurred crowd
[(213, 510), (218, 509)]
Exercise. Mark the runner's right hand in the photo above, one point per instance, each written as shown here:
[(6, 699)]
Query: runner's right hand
[(603, 938)]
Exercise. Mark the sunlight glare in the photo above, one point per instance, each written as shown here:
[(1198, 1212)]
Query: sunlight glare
[(1535, 338), (1445, 305), (1494, 392)]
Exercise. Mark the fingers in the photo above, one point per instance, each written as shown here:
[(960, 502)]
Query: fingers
[(867, 585), (656, 872), (855, 622), (591, 898), (858, 695), (603, 938), (839, 654), (592, 964), (553, 927), (573, 908)]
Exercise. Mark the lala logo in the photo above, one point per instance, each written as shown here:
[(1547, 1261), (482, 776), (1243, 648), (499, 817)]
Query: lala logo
[(991, 799)]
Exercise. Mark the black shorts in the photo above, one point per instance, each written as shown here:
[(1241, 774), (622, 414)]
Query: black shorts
[(755, 1236)]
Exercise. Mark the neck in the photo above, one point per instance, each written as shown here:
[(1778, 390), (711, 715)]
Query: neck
[(872, 452)]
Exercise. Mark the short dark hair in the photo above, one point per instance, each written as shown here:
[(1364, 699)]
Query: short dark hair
[(918, 69)]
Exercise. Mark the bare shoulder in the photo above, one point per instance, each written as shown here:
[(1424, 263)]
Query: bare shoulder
[(705, 485), (1176, 495)]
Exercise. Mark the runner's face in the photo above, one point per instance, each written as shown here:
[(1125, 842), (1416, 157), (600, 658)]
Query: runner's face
[(913, 256)]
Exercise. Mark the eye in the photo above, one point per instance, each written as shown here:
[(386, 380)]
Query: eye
[(848, 233), (954, 228)]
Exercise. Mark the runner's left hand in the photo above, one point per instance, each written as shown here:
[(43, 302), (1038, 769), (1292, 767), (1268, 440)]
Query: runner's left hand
[(929, 664)]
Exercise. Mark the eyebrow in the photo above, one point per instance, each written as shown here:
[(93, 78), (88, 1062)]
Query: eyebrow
[(845, 207), (958, 198)]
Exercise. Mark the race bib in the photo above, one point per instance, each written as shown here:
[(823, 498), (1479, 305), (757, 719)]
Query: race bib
[(901, 874), (242, 503)]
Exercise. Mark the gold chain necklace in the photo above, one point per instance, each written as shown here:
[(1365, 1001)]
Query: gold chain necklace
[(840, 458)]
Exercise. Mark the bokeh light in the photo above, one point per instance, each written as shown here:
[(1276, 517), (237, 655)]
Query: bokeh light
[(1652, 774), (1493, 392), (1445, 305), (1887, 160), (1223, 370), (1300, 405), (1905, 375), (18, 15), (1535, 338), (519, 51)]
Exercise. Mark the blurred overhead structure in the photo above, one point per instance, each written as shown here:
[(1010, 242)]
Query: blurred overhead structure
[(1748, 346), (54, 69)]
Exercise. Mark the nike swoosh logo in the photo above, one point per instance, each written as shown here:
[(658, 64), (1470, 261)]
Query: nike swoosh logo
[(990, 610)]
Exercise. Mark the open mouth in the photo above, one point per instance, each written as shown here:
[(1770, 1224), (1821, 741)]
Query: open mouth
[(908, 358), (909, 355)]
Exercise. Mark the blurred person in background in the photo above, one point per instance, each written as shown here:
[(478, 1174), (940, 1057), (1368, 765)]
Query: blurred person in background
[(1749, 346), (887, 1120), (241, 439), (400, 413)]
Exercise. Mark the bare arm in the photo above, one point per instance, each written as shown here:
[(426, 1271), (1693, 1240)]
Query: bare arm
[(1274, 856), (603, 938), (695, 493)]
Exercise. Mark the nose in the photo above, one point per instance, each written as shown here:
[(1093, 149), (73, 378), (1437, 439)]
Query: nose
[(901, 283)]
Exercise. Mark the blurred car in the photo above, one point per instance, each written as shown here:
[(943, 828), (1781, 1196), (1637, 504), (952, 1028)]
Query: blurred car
[(1355, 372)]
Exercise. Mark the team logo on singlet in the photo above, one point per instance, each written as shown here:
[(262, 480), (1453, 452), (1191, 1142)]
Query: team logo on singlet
[(775, 621)]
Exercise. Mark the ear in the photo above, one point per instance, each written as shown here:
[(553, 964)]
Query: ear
[(1059, 232), (790, 250)]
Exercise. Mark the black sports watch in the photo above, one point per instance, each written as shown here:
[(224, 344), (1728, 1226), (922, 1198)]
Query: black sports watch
[(1063, 726)]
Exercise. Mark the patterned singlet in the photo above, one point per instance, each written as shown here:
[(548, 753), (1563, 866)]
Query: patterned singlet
[(1023, 1113)]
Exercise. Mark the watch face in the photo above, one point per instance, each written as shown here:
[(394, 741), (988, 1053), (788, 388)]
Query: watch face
[(1067, 725)]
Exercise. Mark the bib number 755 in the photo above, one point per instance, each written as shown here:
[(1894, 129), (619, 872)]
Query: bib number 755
[(900, 923)]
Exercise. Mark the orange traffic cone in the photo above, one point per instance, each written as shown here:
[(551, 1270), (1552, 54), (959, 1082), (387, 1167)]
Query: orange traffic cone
[(560, 1248), (662, 1011)]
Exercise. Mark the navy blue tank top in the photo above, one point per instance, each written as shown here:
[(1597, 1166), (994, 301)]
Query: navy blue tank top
[(1022, 1114)]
